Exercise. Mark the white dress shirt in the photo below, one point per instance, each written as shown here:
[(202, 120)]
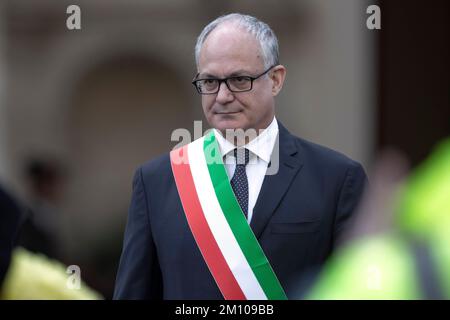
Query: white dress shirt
[(260, 151)]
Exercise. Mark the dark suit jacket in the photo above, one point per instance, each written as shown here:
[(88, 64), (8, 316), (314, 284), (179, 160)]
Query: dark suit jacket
[(299, 214)]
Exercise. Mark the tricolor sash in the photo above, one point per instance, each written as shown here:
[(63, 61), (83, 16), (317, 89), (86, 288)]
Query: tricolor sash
[(225, 239)]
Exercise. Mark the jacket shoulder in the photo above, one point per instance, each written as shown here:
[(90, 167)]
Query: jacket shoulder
[(156, 166)]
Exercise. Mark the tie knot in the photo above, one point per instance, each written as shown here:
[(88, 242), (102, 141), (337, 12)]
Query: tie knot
[(242, 156)]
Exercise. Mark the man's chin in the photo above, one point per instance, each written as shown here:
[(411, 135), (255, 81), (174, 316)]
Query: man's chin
[(224, 125)]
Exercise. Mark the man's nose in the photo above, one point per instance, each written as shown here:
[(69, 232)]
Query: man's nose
[(224, 95)]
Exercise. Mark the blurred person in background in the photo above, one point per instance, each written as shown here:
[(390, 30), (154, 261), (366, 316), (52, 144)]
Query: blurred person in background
[(39, 232), (28, 275), (405, 254), (11, 214)]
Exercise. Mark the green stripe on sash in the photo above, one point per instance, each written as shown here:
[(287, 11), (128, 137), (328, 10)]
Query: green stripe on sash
[(238, 224)]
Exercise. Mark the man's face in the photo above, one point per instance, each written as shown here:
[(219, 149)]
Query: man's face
[(230, 51)]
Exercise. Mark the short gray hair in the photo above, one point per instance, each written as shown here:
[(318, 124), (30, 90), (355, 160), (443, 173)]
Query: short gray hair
[(261, 31)]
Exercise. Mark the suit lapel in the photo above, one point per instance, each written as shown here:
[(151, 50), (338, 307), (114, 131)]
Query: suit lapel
[(275, 186)]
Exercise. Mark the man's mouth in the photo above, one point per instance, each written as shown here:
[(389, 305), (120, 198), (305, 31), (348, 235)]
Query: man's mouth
[(227, 112)]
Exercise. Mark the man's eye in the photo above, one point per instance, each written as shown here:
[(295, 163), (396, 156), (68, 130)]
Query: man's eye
[(240, 79), (209, 81)]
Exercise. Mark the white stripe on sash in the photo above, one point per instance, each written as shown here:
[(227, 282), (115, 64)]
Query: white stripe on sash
[(219, 226)]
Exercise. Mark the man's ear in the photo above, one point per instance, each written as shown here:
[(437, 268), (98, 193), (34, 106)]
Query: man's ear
[(277, 75)]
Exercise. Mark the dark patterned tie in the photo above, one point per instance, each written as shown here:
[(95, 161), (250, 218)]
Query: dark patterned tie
[(239, 182)]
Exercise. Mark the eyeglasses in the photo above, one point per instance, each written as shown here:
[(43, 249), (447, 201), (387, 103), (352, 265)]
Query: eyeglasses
[(234, 84)]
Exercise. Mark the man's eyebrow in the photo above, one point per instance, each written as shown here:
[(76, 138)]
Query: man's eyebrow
[(239, 72), (204, 75)]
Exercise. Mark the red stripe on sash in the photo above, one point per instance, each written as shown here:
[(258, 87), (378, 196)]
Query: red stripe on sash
[(200, 229)]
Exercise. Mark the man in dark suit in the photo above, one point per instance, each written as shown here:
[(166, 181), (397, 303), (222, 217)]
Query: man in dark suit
[(296, 213)]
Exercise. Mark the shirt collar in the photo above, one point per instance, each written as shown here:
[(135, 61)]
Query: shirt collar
[(261, 146)]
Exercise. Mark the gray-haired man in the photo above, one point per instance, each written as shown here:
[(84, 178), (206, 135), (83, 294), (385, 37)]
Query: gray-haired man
[(216, 225)]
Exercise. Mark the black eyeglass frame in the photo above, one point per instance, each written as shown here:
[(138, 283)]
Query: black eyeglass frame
[(194, 82)]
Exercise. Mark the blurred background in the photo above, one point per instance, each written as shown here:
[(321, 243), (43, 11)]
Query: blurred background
[(80, 110)]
